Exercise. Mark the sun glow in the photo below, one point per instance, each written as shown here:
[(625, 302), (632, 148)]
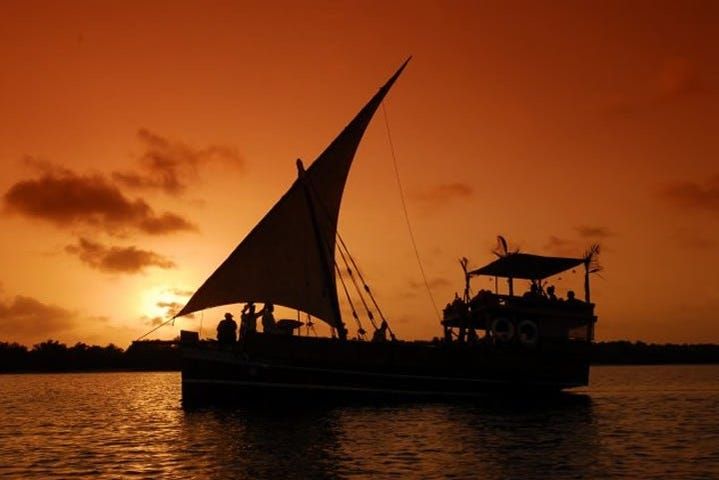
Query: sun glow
[(159, 301)]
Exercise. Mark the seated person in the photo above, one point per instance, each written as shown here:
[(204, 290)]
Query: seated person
[(571, 300), (550, 294), (532, 293)]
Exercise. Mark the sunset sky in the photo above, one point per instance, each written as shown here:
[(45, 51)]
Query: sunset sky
[(141, 141)]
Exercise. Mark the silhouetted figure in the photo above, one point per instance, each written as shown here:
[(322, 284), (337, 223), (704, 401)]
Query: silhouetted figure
[(447, 334), (227, 330), (380, 335), (532, 293), (550, 293), (571, 300), (248, 320), (472, 336), (268, 319)]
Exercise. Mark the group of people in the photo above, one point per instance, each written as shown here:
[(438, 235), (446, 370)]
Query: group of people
[(227, 328), (536, 292)]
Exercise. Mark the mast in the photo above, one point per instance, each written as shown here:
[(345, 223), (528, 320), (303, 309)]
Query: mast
[(288, 257), (322, 250)]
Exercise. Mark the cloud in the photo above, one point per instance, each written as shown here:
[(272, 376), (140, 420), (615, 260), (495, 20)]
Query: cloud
[(155, 321), (562, 246), (677, 77), (66, 199), (25, 317), (587, 231), (171, 308), (693, 195), (694, 240), (444, 193), (180, 292), (117, 259), (436, 282), (169, 165)]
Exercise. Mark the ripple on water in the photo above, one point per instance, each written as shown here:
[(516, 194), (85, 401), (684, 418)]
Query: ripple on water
[(632, 422)]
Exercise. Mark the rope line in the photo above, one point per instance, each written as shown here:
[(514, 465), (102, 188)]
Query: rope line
[(357, 288), (364, 284), (406, 214), (361, 331), (344, 245), (154, 329)]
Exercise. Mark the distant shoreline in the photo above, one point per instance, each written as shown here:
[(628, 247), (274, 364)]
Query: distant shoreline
[(125, 370), (164, 356)]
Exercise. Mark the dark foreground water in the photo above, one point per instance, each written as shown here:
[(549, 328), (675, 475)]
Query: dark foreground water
[(633, 422)]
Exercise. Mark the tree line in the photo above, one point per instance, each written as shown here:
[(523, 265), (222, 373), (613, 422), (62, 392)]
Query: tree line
[(147, 355), (53, 356)]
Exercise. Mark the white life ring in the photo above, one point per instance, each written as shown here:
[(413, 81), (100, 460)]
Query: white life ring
[(502, 329), (528, 333)]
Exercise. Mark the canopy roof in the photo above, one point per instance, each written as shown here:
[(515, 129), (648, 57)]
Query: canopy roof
[(527, 266)]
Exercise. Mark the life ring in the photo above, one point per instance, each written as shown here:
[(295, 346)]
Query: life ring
[(528, 332), (502, 329)]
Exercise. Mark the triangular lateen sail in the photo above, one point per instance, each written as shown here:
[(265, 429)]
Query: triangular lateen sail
[(279, 261)]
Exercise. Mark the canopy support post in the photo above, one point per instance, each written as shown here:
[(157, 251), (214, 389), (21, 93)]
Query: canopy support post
[(586, 282)]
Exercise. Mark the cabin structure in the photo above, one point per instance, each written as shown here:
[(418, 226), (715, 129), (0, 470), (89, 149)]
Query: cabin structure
[(532, 318)]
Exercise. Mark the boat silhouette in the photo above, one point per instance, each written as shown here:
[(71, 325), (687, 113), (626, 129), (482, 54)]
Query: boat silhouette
[(492, 342)]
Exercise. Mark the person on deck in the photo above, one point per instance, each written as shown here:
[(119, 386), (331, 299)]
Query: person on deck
[(248, 320), (571, 300), (268, 319), (533, 292), (550, 294), (380, 335), (227, 330)]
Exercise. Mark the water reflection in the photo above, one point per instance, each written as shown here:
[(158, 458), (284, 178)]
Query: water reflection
[(265, 443), (631, 425), (530, 438)]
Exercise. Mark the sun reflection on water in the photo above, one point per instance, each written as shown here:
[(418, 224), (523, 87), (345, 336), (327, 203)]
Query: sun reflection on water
[(131, 425)]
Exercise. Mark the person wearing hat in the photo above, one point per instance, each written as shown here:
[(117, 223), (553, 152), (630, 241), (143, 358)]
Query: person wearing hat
[(227, 330)]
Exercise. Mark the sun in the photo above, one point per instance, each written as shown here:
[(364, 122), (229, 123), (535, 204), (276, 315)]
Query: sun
[(159, 301)]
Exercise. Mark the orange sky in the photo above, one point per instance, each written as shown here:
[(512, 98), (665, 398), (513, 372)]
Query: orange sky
[(140, 142)]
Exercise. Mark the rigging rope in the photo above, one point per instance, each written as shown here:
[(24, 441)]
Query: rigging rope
[(366, 287), (406, 215), (364, 284), (361, 331), (155, 329), (357, 288)]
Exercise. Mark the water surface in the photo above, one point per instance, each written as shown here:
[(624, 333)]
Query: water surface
[(632, 422)]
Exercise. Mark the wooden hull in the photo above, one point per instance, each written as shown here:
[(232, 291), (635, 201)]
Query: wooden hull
[(269, 367)]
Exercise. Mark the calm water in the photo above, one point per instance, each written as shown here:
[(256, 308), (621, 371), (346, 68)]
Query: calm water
[(633, 422)]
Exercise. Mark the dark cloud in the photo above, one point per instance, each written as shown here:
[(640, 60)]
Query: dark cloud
[(444, 193), (693, 195), (117, 259), (66, 199), (25, 317), (587, 231), (170, 166)]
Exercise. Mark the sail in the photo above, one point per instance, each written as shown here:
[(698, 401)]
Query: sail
[(288, 258)]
